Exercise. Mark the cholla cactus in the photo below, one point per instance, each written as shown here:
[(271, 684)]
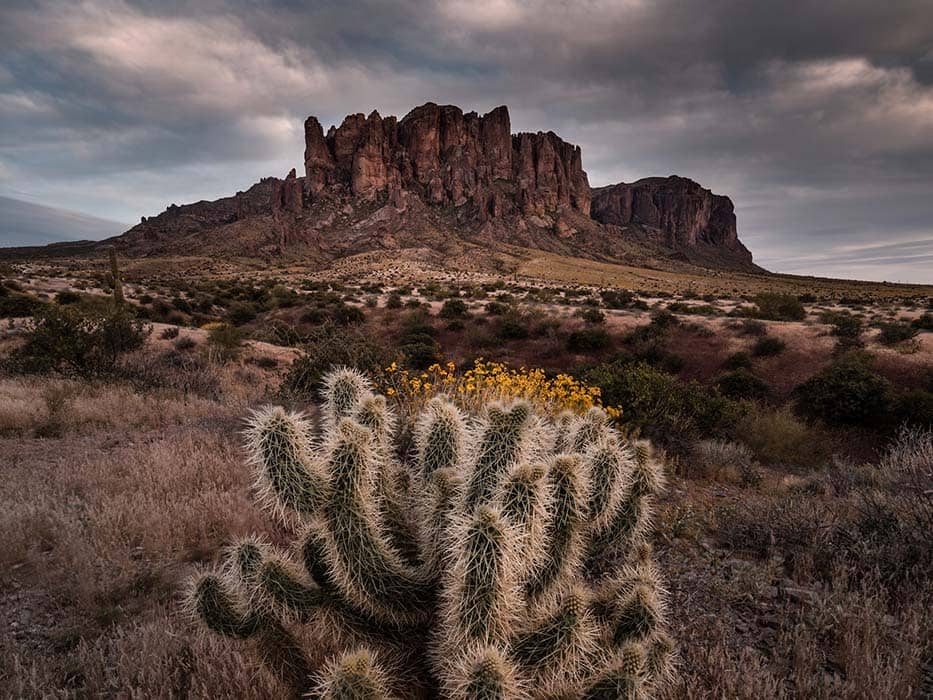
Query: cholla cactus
[(505, 559)]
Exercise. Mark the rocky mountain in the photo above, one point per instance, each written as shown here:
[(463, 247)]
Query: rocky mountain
[(674, 212), (443, 179)]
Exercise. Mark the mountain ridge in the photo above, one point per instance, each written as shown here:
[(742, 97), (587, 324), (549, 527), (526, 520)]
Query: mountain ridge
[(441, 177)]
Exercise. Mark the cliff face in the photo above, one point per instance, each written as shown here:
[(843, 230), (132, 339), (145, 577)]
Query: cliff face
[(674, 212), (448, 158)]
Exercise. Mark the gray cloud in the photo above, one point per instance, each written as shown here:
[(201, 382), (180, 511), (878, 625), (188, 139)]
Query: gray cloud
[(817, 119)]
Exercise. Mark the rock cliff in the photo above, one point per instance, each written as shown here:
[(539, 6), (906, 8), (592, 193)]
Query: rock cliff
[(675, 212), (448, 158)]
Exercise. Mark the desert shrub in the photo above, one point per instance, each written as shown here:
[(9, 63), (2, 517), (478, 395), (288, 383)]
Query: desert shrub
[(738, 360), (264, 362), (67, 297), (750, 326), (496, 308), (225, 341), (768, 346), (457, 572), (588, 340), (895, 332), (924, 322), (454, 308), (169, 333), (241, 312), (330, 346), (420, 351), (847, 329), (20, 305), (848, 392), (774, 306), (185, 342), (512, 326), (648, 343), (66, 340), (394, 301), (720, 457), (660, 406), (592, 315), (913, 407), (345, 315), (742, 384), (777, 436), (617, 298)]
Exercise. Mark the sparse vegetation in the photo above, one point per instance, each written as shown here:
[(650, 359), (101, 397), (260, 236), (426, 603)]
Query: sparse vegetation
[(794, 539)]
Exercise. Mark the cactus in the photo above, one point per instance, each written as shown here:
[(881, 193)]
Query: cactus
[(506, 558)]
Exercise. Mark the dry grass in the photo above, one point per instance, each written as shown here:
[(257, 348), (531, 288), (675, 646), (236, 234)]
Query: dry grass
[(114, 493)]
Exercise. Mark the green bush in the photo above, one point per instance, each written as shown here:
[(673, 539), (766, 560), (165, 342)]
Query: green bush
[(241, 312), (15, 305), (768, 346), (329, 346), (454, 308), (589, 340), (67, 297), (617, 298), (496, 308), (225, 341), (512, 326), (394, 301), (847, 392), (895, 332), (662, 407), (738, 360), (345, 315), (66, 340), (592, 315), (924, 322), (742, 384), (847, 328), (751, 327), (773, 306)]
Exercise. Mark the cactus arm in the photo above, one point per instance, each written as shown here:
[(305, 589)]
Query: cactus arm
[(561, 556), (439, 435), (284, 656), (610, 466), (482, 582), (344, 390), (621, 679), (637, 615), (287, 477), (485, 673), (354, 676), (545, 642), (221, 609), (632, 515), (367, 569), (588, 430), (500, 443)]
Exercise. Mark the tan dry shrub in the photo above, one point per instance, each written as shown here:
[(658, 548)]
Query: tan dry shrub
[(777, 436)]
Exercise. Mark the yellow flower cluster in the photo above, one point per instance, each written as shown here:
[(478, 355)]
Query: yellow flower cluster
[(491, 381)]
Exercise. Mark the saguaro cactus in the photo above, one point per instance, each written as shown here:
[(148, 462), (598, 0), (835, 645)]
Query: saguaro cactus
[(505, 559)]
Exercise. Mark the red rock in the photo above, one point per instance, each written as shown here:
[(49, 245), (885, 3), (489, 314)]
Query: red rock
[(319, 162), (677, 212)]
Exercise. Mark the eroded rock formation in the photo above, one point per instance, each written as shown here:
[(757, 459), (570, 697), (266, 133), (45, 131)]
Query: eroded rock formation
[(673, 211), (448, 157)]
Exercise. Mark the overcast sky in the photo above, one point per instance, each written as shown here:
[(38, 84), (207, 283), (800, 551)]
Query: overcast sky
[(815, 116)]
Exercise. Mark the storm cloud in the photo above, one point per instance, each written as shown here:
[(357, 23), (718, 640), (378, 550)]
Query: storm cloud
[(815, 117)]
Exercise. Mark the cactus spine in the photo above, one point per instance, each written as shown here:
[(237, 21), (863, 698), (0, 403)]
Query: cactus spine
[(505, 560)]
